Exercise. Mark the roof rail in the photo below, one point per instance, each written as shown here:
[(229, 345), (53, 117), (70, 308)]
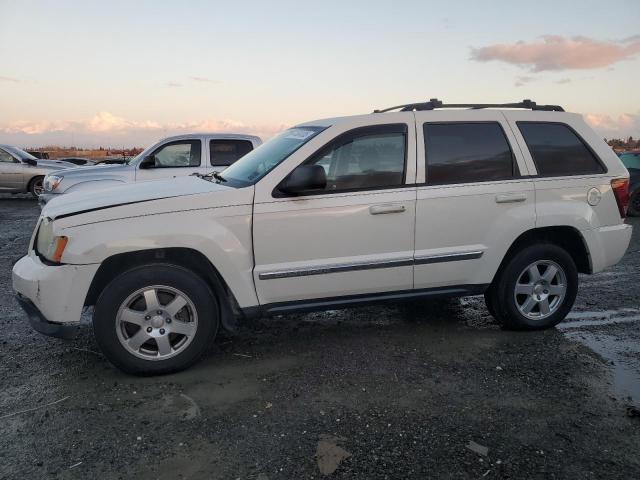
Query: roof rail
[(434, 103)]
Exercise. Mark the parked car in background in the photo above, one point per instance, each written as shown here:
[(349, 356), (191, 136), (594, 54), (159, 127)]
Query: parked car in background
[(79, 161), (171, 157), (21, 172), (511, 203), (631, 160)]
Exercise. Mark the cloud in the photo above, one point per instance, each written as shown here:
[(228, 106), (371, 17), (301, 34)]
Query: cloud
[(204, 80), (9, 79), (610, 126), (173, 84), (105, 127), (523, 80), (555, 52)]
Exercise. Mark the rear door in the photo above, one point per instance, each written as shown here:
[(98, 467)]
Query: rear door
[(173, 159), (473, 200)]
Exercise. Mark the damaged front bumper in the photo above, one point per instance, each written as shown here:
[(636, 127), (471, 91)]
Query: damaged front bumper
[(52, 295), (40, 324)]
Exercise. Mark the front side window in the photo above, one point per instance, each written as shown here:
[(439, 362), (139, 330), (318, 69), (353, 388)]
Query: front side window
[(467, 152), (225, 152), (365, 158), (5, 157), (182, 153), (257, 163), (557, 150)]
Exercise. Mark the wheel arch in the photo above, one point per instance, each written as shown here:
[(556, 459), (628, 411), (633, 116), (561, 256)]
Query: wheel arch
[(188, 258), (564, 236)]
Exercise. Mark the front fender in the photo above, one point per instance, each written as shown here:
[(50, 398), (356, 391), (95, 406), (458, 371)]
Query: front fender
[(222, 234)]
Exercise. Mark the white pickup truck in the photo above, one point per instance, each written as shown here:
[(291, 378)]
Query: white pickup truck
[(176, 156), (510, 201)]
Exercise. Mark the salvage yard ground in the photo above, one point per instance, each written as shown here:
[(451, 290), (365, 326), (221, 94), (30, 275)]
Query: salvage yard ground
[(426, 390)]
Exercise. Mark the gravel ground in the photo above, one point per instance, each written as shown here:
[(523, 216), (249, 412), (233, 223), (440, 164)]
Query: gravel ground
[(377, 392)]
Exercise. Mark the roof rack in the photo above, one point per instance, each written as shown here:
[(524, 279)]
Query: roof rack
[(434, 103)]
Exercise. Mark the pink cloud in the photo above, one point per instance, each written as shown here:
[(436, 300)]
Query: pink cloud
[(611, 126), (555, 52)]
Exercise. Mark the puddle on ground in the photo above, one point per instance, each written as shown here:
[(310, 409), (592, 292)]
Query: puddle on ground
[(622, 353)]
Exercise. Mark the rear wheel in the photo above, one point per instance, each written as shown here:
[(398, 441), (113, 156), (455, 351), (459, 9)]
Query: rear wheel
[(36, 187), (155, 319), (536, 289), (634, 204)]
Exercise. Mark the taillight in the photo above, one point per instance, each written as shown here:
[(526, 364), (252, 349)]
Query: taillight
[(620, 187)]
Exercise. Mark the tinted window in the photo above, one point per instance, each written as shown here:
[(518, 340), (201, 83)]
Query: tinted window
[(226, 152), (466, 152), (373, 157), (185, 153), (557, 150)]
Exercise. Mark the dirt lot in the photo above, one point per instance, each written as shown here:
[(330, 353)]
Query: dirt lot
[(378, 392)]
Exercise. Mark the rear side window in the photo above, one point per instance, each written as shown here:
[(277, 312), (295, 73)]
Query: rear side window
[(226, 152), (557, 150), (467, 152)]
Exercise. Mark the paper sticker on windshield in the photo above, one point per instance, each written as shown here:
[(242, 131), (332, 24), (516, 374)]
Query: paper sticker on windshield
[(299, 133)]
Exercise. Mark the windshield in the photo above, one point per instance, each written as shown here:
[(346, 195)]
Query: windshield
[(21, 154), (257, 163), (631, 160)]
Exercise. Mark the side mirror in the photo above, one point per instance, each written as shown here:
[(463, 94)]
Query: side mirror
[(148, 162), (30, 161), (303, 179)]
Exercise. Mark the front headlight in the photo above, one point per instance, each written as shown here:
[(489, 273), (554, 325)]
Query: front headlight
[(47, 245), (51, 182)]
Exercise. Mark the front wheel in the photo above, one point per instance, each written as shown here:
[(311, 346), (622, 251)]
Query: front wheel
[(155, 319), (36, 187), (536, 289)]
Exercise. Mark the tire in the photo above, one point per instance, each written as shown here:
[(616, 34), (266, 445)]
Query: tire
[(634, 205), (35, 186), (135, 328), (489, 300), (540, 304)]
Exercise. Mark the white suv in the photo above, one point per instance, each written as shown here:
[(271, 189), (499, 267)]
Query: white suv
[(510, 201)]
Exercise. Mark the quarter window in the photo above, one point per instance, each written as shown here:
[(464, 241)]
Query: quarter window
[(225, 152), (557, 150), (467, 152), (366, 158), (184, 153)]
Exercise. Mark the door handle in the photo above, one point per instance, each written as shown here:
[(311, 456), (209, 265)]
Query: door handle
[(511, 197), (387, 208)]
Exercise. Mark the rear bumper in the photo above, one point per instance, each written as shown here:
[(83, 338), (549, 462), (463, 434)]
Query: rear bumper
[(40, 324), (607, 245)]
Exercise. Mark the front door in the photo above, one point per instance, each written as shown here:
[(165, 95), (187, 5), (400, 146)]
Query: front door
[(11, 172), (173, 159), (355, 236)]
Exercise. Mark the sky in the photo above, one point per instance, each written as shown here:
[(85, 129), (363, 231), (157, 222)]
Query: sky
[(126, 73)]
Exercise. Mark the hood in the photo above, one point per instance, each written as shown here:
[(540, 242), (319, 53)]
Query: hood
[(139, 195), (104, 172), (58, 164)]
